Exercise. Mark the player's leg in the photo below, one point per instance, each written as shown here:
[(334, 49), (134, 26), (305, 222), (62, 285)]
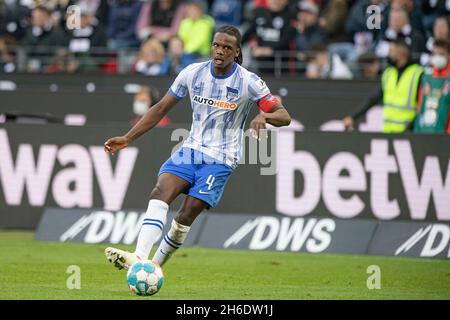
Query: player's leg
[(168, 187), (209, 184), (174, 177), (181, 224)]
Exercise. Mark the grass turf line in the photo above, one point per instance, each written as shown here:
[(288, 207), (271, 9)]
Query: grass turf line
[(37, 270)]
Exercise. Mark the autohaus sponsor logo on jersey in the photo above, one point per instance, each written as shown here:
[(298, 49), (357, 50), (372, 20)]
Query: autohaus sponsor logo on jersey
[(215, 103)]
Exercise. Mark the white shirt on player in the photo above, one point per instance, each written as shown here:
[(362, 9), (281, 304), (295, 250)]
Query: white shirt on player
[(220, 106)]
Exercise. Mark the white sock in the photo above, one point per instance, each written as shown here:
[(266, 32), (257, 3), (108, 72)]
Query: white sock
[(152, 227), (171, 242)]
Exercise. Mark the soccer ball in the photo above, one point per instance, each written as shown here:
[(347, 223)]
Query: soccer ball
[(145, 278)]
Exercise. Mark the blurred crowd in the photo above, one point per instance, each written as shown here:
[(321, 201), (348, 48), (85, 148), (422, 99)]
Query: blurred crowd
[(337, 39)]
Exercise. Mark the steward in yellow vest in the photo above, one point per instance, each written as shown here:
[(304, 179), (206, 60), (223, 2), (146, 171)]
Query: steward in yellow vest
[(398, 91), (400, 97)]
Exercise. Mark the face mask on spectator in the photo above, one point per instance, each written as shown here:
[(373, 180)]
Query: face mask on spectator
[(139, 108), (439, 61)]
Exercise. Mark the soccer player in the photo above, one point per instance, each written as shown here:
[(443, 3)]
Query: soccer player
[(222, 93)]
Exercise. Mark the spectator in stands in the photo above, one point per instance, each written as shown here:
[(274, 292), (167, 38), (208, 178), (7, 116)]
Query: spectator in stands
[(41, 38), (90, 34), (177, 57), (14, 18), (398, 91), (100, 9), (325, 65), (356, 25), (309, 31), (272, 29), (7, 54), (151, 59), (159, 19), (63, 62), (143, 100), (433, 108), (441, 31), (42, 32), (123, 15), (441, 28), (333, 19), (413, 9), (58, 10), (357, 37), (399, 27), (227, 12), (431, 9), (369, 66), (196, 31)]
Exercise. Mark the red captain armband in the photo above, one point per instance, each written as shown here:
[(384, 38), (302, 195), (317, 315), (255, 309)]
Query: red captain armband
[(266, 103)]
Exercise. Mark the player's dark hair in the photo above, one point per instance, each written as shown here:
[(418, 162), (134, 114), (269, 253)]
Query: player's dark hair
[(234, 32)]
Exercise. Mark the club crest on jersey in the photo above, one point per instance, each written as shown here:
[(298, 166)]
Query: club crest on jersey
[(215, 103), (232, 93)]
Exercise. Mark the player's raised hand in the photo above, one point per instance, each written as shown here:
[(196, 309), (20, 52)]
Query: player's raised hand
[(115, 144), (258, 127)]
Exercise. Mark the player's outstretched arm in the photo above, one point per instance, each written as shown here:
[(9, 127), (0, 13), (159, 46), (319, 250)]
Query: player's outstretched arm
[(147, 122), (276, 116)]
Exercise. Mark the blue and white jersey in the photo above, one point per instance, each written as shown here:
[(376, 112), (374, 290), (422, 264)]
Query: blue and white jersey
[(220, 106)]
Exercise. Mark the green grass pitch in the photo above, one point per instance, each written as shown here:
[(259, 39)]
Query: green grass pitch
[(37, 270)]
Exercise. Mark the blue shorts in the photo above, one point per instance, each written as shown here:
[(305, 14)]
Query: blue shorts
[(206, 175)]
